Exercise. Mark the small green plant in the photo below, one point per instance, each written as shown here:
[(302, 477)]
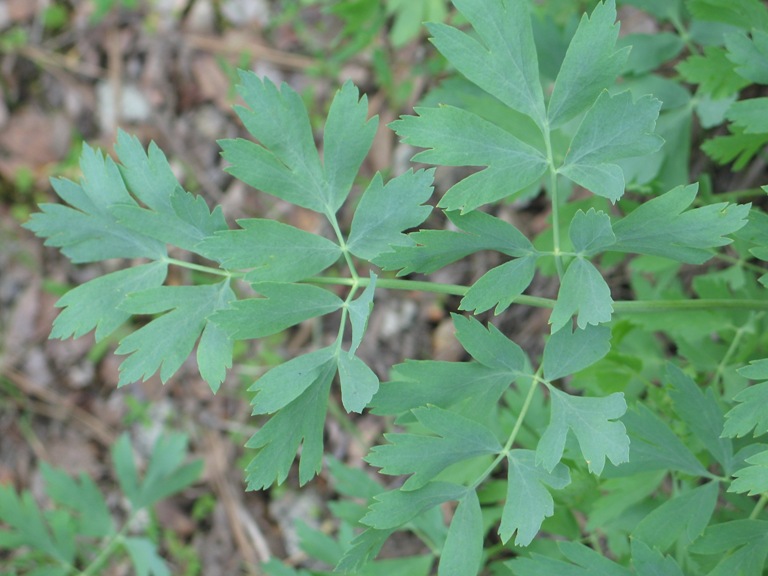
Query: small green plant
[(78, 534), (626, 440)]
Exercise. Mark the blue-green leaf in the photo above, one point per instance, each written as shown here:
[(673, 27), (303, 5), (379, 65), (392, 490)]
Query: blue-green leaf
[(395, 508), (613, 129), (567, 352), (271, 250), (463, 550), (283, 306), (500, 286), (595, 423), (528, 501), (583, 291), (386, 210), (358, 382)]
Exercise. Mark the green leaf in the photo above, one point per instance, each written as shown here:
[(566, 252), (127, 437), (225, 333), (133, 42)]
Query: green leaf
[(83, 496), (144, 557), (445, 384), (165, 474), (456, 137), (95, 303), (591, 232), (738, 147), (385, 210), (166, 342), (662, 226), (347, 138), (463, 550), (29, 527), (438, 248), (595, 423), (740, 13), (742, 546), (584, 291), (580, 561), (283, 306), (275, 251), (458, 438), (489, 346), (363, 548), (650, 51), (683, 517), (749, 55), (358, 382), (500, 286), (282, 384), (749, 414), (613, 129), (713, 72), (750, 116), (754, 478), (395, 508), (651, 562), (502, 59), (279, 439), (591, 65), (359, 312), (528, 501), (286, 164), (86, 230), (653, 446), (701, 413), (567, 352)]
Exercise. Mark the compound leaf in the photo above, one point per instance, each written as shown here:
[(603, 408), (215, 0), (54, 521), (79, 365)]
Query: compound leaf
[(749, 414), (662, 227), (394, 508), (95, 303), (500, 286), (458, 438), (358, 382), (272, 250), (385, 210), (144, 557), (650, 561), (283, 306), (463, 550), (167, 341), (458, 137), (528, 501), (591, 64), (613, 129), (595, 423), (583, 290), (86, 230), (591, 232), (701, 413), (567, 352), (752, 479), (740, 13), (279, 439), (502, 60)]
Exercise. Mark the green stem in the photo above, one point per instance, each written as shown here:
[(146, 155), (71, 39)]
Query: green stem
[(620, 306), (201, 268), (535, 380), (759, 506), (343, 243), (108, 550), (555, 203)]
